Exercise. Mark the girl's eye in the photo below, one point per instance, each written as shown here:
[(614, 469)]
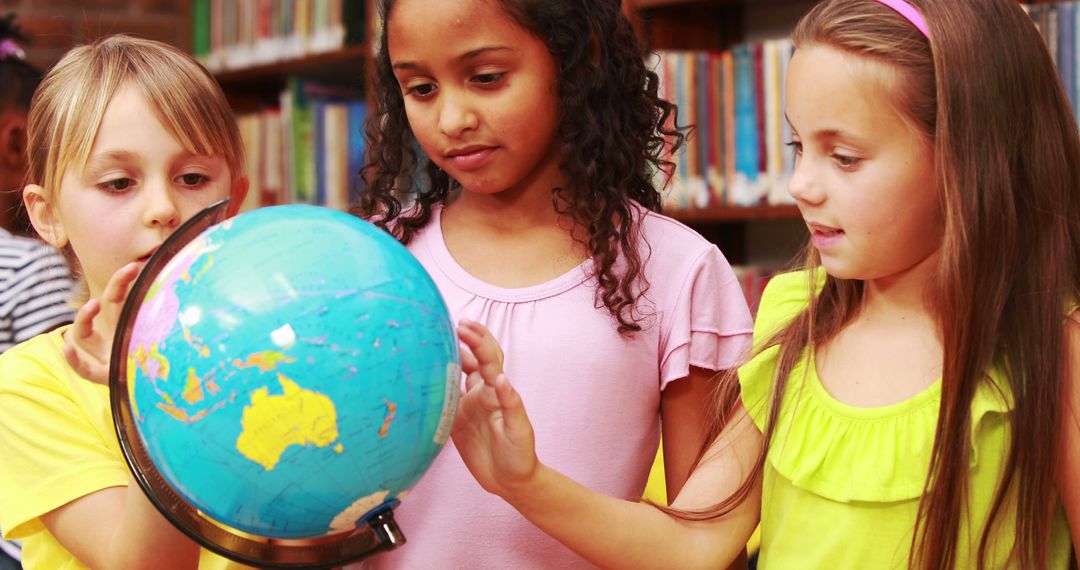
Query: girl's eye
[(797, 145), (194, 179), (422, 90), (117, 185), (845, 162), (488, 78)]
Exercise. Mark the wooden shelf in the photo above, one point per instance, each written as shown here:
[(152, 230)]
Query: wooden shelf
[(252, 88), (329, 64), (734, 214)]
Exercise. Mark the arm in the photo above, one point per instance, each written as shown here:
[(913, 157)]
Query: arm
[(684, 414), (1069, 452), (684, 419), (118, 528), (493, 434), (61, 462)]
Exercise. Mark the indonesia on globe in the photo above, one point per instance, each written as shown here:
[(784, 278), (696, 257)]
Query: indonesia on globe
[(280, 380)]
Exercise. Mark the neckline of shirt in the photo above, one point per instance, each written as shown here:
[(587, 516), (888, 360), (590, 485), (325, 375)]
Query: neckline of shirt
[(928, 395), (462, 278)]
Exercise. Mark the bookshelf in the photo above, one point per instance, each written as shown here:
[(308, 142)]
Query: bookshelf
[(328, 65), (294, 74), (663, 25), (737, 214), (249, 88), (762, 236)]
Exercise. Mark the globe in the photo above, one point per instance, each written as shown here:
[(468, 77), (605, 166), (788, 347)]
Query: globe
[(280, 380)]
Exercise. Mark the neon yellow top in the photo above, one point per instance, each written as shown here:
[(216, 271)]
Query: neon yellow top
[(842, 483), (57, 444)]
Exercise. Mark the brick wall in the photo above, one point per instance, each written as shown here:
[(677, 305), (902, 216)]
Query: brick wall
[(54, 26)]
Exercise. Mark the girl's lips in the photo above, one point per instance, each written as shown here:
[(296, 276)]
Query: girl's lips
[(472, 159), (823, 237)]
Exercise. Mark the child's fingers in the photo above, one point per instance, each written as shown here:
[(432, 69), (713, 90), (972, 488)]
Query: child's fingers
[(116, 289), (85, 364), (509, 399), (485, 348), (514, 417), (472, 381), (83, 326), (468, 361), (72, 357)]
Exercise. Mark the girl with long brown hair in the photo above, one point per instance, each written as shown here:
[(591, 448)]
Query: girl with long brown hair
[(914, 397)]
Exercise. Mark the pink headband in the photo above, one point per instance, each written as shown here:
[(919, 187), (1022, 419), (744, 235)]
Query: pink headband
[(909, 13)]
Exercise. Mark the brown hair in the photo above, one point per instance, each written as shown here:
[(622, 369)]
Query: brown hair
[(1010, 261)]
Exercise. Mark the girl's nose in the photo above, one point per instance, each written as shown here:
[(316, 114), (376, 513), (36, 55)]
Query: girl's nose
[(803, 187), (160, 208), (457, 114)]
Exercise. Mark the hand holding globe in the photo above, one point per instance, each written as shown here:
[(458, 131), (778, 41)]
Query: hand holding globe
[(280, 380)]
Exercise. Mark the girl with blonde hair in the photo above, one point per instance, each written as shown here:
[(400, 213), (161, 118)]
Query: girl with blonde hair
[(128, 138)]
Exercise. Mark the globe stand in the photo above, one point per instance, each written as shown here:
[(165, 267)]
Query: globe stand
[(377, 532)]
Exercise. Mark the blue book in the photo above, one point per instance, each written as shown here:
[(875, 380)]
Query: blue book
[(746, 124), (357, 114)]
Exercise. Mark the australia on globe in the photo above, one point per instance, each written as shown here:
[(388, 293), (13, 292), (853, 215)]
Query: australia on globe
[(290, 370)]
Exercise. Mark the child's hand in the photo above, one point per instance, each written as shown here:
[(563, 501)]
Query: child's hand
[(491, 431), (88, 343)]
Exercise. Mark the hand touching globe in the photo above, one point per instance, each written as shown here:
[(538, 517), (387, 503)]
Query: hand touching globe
[(280, 380)]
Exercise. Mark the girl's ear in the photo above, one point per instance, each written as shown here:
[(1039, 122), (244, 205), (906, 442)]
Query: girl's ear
[(43, 216), (237, 194)]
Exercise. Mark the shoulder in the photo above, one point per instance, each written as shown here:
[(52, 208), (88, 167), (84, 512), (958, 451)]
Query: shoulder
[(36, 379), (658, 231), (41, 356), (673, 253), (785, 297)]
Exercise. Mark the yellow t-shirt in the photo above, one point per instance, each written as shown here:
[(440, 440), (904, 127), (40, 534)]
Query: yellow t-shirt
[(842, 483), (57, 444)]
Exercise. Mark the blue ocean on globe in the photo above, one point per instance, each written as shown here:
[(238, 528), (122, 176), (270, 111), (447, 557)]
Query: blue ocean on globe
[(290, 370)]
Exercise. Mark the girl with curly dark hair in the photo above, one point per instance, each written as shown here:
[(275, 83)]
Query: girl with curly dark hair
[(513, 148)]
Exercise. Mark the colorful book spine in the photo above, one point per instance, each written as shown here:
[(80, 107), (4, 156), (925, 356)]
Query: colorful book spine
[(236, 34), (746, 128), (308, 149)]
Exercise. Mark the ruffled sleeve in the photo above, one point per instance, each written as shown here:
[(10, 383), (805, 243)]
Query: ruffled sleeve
[(710, 325), (785, 297)]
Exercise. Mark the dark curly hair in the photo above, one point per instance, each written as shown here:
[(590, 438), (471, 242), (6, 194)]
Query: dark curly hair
[(18, 77), (613, 133)]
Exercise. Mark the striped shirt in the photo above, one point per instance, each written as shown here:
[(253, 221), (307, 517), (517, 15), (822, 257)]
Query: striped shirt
[(35, 287)]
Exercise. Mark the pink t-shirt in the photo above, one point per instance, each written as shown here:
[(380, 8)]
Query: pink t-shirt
[(593, 396)]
